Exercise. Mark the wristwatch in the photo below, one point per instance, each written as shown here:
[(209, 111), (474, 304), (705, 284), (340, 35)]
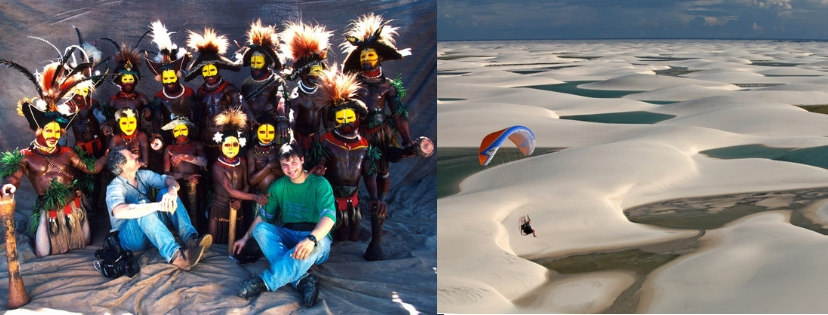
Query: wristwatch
[(313, 239)]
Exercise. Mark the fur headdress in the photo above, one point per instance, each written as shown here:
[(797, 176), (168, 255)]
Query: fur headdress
[(210, 48), (126, 112), (263, 40), (339, 91), (231, 122), (170, 56), (370, 31), (55, 87), (178, 120), (306, 45)]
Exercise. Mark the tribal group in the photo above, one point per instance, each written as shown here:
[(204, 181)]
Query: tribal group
[(295, 139)]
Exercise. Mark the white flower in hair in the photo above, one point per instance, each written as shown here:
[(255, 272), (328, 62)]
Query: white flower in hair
[(40, 105), (217, 137), (242, 141)]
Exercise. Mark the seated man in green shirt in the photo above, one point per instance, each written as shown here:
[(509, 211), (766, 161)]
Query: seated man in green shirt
[(302, 207)]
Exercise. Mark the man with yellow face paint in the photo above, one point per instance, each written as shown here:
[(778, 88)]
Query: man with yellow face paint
[(345, 160), (129, 135), (263, 90), (127, 77), (183, 160), (59, 221), (370, 42), (210, 48), (308, 46), (174, 99), (230, 184)]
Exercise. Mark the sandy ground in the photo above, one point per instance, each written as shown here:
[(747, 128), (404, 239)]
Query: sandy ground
[(732, 93), (405, 283)]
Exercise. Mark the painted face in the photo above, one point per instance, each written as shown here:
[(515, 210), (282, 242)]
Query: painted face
[(209, 70), (82, 91), (315, 70), (51, 134), (180, 132), (128, 125), (168, 77), (257, 61), (266, 133), (345, 116), (127, 78), (230, 147), (369, 59), (292, 167)]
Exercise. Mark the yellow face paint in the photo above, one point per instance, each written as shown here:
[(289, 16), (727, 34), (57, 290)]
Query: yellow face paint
[(128, 125), (266, 133), (257, 61), (51, 133), (369, 57), (345, 116), (127, 78), (315, 70), (181, 130), (168, 77), (230, 147), (82, 91), (209, 70)]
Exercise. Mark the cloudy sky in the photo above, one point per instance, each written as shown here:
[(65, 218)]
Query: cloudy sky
[(602, 19)]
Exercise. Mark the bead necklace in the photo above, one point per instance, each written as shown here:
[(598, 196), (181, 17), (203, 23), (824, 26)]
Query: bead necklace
[(213, 86), (305, 89), (173, 97), (222, 160), (263, 149)]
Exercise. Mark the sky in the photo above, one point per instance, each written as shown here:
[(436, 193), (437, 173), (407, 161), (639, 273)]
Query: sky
[(608, 19)]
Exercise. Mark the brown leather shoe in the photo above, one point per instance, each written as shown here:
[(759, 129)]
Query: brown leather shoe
[(206, 240), (187, 258)]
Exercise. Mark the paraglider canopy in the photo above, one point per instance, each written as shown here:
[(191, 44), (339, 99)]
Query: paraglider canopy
[(522, 137)]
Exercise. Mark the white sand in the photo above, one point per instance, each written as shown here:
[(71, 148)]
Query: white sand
[(576, 197)]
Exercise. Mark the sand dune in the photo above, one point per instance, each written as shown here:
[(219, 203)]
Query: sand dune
[(577, 197)]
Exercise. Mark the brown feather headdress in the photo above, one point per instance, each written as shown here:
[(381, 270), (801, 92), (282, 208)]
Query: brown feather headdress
[(231, 122), (55, 87), (370, 31), (263, 40), (128, 61), (210, 47), (339, 90), (307, 45)]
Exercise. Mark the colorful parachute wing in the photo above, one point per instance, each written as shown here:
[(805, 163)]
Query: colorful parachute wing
[(523, 138)]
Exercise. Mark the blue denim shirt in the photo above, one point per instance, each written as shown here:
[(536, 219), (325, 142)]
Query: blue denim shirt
[(121, 190)]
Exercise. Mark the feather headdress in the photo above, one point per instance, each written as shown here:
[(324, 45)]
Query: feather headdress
[(170, 56), (370, 31), (307, 45), (55, 87), (91, 54), (231, 122), (339, 90), (263, 40), (128, 62), (210, 47)]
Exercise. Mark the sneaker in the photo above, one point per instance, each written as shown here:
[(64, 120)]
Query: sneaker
[(252, 287), (308, 289)]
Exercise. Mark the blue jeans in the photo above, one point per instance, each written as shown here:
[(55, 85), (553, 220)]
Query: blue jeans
[(151, 230), (277, 244)]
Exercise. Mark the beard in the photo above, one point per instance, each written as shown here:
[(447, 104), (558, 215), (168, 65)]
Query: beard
[(346, 129), (181, 139), (128, 87)]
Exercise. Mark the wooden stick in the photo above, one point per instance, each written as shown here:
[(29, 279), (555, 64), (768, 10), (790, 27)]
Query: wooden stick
[(192, 195), (231, 236), (17, 291)]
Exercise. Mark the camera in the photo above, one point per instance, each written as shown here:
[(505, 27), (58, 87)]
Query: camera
[(114, 260)]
